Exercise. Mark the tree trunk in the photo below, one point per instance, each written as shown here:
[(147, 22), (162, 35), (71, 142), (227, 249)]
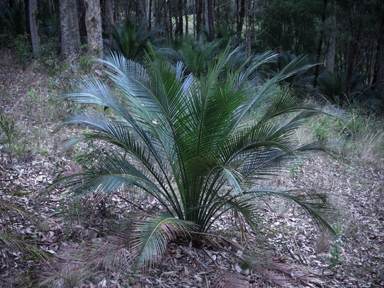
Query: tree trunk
[(27, 23), (94, 29), (249, 27), (150, 15), (51, 5), (70, 37), (320, 45), (206, 16), (176, 11), (165, 18), (199, 10), (180, 9), (330, 40), (81, 22), (378, 73), (352, 56), (108, 6), (170, 19), (33, 25), (141, 10), (211, 23), (186, 16), (241, 15)]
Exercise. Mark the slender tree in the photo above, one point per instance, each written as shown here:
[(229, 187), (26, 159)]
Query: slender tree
[(249, 33), (180, 12), (109, 13), (33, 25), (141, 15), (211, 23), (199, 11), (240, 16), (186, 15), (320, 45), (150, 15), (330, 39), (353, 51), (378, 75)]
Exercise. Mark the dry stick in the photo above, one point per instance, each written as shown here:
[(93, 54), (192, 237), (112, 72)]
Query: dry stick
[(138, 207), (214, 262), (298, 250), (195, 258)]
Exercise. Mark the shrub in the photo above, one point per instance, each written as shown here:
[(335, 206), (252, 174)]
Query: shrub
[(188, 143), (23, 49)]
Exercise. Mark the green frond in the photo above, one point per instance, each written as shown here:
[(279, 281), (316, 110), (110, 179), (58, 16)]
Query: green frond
[(151, 237), (191, 142), (25, 247), (312, 203)]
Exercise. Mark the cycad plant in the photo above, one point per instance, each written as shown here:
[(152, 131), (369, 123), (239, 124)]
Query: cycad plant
[(131, 40), (195, 54), (14, 19), (188, 142), (332, 86)]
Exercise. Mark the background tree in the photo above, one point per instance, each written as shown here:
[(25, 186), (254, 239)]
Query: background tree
[(94, 28), (33, 25), (211, 23), (330, 36), (70, 37)]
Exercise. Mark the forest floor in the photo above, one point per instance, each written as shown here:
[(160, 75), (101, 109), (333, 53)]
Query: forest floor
[(289, 250)]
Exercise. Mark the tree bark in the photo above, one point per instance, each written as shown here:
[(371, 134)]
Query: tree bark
[(378, 73), (108, 6), (170, 19), (320, 45), (81, 21), (33, 25), (241, 15), (186, 16), (165, 18), (70, 37), (199, 11), (330, 40), (27, 23), (94, 29), (150, 15), (176, 11), (141, 10), (249, 30), (180, 9), (352, 56), (205, 15), (211, 23)]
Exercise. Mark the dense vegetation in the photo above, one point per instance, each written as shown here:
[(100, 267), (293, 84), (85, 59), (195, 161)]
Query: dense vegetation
[(175, 109)]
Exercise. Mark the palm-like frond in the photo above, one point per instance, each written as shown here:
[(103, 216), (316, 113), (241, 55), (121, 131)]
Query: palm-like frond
[(18, 244), (195, 54), (153, 236), (188, 142), (132, 39)]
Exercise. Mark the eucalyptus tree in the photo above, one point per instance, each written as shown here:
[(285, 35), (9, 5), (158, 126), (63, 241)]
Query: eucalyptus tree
[(69, 27), (189, 143), (33, 25), (94, 29)]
